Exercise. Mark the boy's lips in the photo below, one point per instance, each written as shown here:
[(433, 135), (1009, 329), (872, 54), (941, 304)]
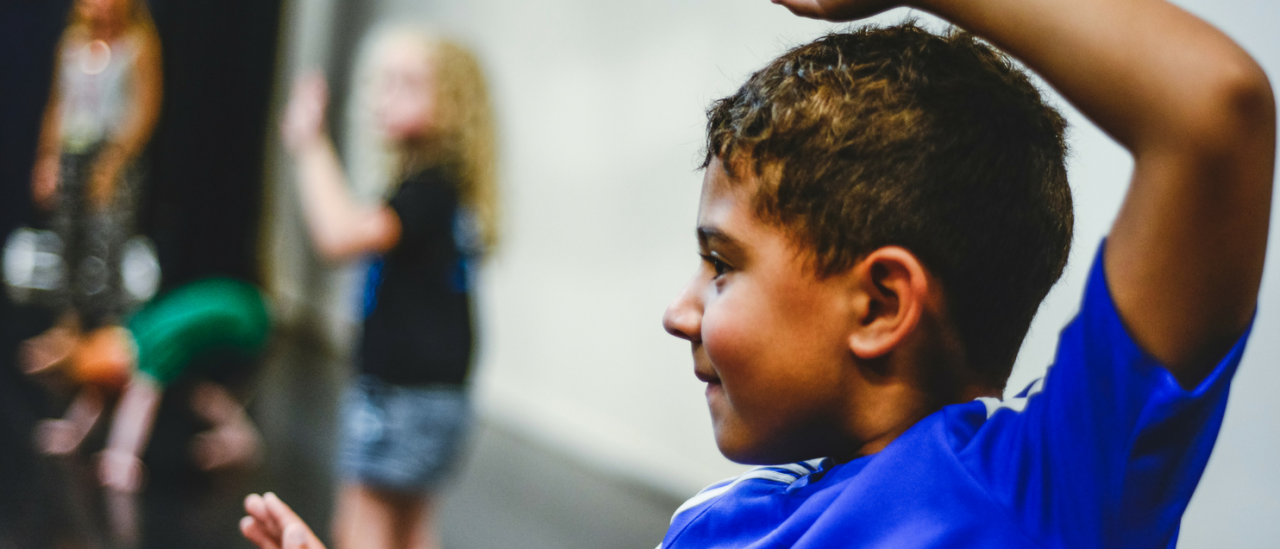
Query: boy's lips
[(706, 375), (702, 367)]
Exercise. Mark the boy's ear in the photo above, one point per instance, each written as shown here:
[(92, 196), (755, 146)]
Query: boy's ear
[(893, 289)]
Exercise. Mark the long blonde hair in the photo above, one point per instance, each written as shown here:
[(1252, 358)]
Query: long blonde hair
[(462, 139)]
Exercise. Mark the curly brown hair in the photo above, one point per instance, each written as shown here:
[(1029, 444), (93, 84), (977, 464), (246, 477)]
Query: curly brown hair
[(896, 136)]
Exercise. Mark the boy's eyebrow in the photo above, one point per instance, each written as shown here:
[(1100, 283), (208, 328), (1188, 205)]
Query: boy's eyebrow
[(708, 236)]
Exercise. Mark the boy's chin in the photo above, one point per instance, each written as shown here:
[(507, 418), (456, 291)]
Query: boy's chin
[(753, 452)]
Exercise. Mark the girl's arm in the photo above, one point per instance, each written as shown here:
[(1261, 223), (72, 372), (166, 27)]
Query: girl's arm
[(1184, 258), (142, 112), (340, 227), (44, 178)]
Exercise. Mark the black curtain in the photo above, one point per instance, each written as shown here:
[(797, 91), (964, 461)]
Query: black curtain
[(29, 31), (206, 156)]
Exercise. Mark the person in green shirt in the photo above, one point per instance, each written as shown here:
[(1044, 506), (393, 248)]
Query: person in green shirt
[(213, 317)]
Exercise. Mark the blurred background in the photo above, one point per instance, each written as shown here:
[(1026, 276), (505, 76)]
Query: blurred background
[(592, 426)]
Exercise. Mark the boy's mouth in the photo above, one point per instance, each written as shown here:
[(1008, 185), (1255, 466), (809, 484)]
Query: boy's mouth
[(707, 375)]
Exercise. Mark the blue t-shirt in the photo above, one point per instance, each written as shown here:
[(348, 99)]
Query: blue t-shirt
[(1105, 451)]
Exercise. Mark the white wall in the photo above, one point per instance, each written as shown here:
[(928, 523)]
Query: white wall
[(601, 110)]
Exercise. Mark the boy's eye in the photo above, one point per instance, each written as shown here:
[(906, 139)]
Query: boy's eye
[(716, 263)]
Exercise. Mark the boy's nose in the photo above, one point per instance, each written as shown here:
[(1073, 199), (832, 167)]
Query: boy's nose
[(683, 317)]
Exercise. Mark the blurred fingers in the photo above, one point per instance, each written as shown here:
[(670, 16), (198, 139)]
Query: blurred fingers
[(273, 524), (298, 536), (837, 10), (257, 509), (803, 8), (280, 510), (256, 533)]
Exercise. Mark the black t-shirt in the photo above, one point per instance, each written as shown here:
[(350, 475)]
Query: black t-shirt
[(417, 326)]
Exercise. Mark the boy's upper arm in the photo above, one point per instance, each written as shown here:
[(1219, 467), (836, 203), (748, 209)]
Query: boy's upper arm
[(1107, 450), (1197, 113), (1184, 258)]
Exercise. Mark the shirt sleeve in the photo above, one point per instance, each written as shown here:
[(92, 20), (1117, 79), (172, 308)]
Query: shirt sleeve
[(1107, 449)]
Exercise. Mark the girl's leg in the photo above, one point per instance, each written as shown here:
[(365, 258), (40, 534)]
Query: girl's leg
[(233, 440), (62, 436), (423, 526), (365, 519)]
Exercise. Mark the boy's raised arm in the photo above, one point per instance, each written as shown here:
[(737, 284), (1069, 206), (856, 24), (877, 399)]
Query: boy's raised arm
[(1184, 258)]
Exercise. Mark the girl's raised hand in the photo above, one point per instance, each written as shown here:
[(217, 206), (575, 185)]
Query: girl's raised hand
[(273, 525), (303, 122), (838, 10)]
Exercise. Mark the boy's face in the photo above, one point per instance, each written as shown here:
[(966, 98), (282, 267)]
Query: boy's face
[(769, 337)]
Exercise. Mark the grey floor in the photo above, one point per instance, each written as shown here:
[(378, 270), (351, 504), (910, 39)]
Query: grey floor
[(511, 492), (517, 494)]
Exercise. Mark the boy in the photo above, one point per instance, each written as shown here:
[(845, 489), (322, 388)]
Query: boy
[(881, 215)]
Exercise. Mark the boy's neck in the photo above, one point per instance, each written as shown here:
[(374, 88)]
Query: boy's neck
[(924, 374)]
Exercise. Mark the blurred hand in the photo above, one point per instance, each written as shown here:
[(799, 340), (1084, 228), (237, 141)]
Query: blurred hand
[(273, 525), (44, 181), (838, 10), (303, 122), (120, 471)]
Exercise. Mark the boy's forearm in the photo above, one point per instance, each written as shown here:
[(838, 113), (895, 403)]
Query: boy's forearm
[(1184, 258), (1145, 71)]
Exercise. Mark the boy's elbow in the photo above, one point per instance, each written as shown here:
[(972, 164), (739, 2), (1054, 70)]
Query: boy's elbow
[(1252, 102), (1239, 108)]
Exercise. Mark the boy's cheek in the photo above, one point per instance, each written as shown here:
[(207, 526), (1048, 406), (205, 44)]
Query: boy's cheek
[(728, 340)]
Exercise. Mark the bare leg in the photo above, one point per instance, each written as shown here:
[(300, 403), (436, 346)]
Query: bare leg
[(52, 347), (60, 437), (123, 521), (233, 440), (119, 466), (424, 531), (365, 519)]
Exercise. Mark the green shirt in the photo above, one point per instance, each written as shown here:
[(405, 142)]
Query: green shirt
[(214, 315)]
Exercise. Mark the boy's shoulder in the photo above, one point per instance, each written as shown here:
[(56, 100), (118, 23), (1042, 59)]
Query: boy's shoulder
[(1047, 467), (914, 493)]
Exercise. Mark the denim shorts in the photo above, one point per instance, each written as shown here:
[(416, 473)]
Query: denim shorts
[(401, 438)]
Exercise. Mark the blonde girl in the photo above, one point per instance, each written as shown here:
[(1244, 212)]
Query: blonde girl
[(430, 147), (101, 112)]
